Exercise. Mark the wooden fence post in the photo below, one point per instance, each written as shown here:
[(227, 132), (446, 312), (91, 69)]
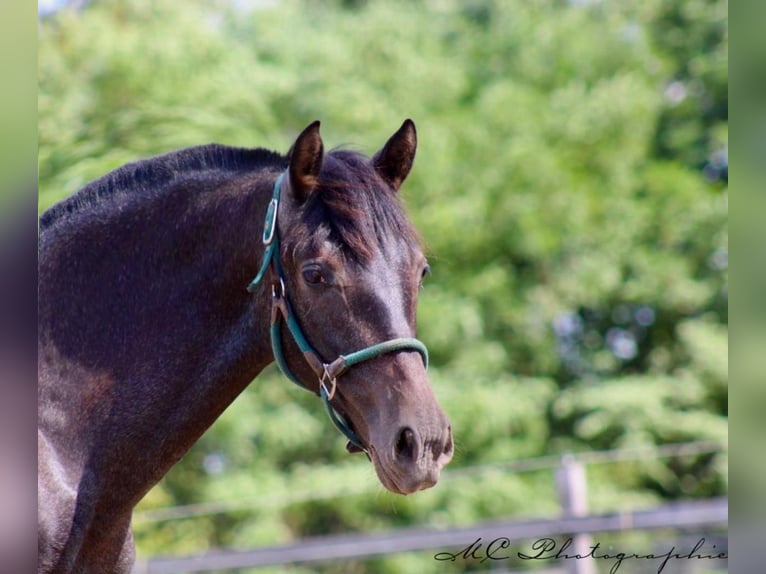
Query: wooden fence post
[(573, 497)]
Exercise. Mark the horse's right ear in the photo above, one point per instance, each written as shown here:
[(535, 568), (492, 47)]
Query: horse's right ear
[(305, 159)]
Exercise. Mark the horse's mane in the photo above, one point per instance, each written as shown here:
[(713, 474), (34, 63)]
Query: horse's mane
[(161, 171), (355, 209)]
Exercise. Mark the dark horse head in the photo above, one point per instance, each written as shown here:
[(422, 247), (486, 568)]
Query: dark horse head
[(148, 329), (352, 267)]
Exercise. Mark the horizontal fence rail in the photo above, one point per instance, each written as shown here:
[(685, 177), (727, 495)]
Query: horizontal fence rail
[(692, 514), (547, 462)]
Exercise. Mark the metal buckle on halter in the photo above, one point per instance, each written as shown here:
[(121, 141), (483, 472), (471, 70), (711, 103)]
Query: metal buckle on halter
[(324, 379), (270, 227), (281, 294)]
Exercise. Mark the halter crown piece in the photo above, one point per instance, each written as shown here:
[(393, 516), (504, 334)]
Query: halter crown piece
[(281, 310)]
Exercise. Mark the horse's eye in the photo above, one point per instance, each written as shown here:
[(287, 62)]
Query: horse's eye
[(313, 276), (426, 272)]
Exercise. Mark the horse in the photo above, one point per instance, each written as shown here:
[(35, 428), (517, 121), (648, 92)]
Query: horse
[(169, 284)]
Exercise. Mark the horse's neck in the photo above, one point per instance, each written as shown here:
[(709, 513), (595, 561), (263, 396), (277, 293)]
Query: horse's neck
[(147, 330)]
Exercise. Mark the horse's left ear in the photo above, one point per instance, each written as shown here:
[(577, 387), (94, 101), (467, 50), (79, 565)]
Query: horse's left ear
[(394, 161), (305, 162)]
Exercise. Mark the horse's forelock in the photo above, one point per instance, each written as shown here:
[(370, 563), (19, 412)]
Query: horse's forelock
[(361, 211)]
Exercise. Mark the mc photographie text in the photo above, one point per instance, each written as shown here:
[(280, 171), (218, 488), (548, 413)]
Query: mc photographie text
[(547, 549)]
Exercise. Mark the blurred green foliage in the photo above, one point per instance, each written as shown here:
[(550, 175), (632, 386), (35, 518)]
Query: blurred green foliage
[(571, 186)]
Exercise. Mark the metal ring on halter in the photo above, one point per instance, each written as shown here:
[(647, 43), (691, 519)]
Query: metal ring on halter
[(281, 289), (324, 379)]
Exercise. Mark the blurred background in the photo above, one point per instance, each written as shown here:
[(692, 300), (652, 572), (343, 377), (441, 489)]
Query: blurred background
[(571, 187)]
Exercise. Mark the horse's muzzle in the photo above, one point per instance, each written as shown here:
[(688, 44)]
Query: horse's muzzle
[(414, 458)]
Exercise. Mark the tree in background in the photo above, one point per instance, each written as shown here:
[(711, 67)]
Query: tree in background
[(571, 186)]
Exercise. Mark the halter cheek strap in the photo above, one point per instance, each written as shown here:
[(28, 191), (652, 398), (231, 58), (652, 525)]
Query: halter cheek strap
[(281, 312)]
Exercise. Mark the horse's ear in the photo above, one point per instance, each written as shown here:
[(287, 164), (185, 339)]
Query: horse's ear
[(305, 162), (394, 161)]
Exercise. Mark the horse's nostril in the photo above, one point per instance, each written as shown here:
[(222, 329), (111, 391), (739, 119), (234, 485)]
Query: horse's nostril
[(406, 445), (443, 447)]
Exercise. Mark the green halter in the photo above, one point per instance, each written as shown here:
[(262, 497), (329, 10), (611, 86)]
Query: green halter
[(327, 373)]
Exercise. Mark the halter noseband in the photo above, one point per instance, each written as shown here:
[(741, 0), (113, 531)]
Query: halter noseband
[(281, 310)]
